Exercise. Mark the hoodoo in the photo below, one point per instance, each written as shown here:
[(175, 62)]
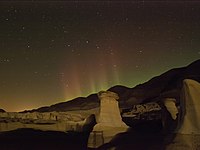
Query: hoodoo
[(191, 94), (188, 136), (109, 121), (109, 110)]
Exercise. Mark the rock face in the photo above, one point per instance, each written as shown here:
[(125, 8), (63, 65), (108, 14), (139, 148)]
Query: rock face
[(191, 95), (109, 121), (188, 135)]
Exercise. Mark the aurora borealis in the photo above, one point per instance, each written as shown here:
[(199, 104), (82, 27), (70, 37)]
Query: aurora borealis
[(52, 51)]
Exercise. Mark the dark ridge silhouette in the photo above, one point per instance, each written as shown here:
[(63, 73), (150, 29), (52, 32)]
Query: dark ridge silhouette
[(80, 103), (167, 84)]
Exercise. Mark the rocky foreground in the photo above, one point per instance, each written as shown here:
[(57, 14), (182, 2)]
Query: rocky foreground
[(54, 121)]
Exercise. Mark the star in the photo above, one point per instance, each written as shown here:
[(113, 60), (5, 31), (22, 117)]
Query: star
[(6, 60), (97, 47), (111, 52), (59, 47)]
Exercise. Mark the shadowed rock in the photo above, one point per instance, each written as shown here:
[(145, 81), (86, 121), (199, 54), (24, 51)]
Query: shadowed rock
[(1, 110)]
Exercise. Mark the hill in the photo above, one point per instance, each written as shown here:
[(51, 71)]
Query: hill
[(167, 84)]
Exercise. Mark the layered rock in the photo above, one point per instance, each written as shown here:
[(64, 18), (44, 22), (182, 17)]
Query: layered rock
[(109, 121)]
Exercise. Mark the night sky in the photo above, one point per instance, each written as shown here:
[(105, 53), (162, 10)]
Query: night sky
[(51, 52)]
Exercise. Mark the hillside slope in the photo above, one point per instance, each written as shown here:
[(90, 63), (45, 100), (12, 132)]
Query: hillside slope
[(167, 84)]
